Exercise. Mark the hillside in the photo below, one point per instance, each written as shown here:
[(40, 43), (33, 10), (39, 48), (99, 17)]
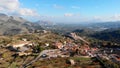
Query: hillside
[(11, 25), (108, 35), (84, 32)]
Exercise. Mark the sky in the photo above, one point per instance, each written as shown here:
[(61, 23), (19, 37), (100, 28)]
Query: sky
[(63, 11)]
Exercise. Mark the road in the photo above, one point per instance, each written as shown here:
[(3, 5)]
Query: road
[(76, 37), (37, 58)]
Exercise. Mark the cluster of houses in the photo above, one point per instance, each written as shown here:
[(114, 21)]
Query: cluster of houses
[(53, 53), (25, 47), (22, 47), (115, 58), (72, 47)]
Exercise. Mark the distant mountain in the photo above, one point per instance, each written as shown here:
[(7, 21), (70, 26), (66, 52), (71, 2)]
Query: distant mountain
[(105, 25), (84, 32), (11, 25), (108, 35), (45, 23)]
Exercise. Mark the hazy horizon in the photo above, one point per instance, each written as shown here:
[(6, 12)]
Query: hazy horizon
[(65, 11)]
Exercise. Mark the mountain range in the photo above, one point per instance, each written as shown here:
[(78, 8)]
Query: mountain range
[(11, 25)]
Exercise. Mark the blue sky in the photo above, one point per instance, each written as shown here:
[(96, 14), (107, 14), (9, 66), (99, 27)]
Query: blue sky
[(86, 7), (68, 11)]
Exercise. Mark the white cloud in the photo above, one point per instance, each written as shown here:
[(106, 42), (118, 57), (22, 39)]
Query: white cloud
[(71, 14), (14, 7), (27, 12), (1, 8), (9, 5), (57, 6), (97, 17), (75, 7), (68, 14), (115, 17)]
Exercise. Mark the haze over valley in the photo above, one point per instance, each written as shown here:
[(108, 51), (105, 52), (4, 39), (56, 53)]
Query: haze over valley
[(59, 34)]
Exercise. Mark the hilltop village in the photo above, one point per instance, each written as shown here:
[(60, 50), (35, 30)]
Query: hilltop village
[(32, 49)]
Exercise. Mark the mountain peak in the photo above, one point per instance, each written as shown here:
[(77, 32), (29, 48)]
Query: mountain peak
[(45, 23), (3, 17), (20, 19), (2, 14), (11, 25)]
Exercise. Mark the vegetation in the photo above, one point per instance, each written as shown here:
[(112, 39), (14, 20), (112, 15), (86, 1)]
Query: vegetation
[(4, 40), (109, 64), (108, 35), (10, 59), (80, 62)]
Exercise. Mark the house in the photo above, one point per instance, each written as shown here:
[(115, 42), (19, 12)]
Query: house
[(21, 44), (44, 31), (115, 58), (23, 54), (59, 45), (47, 44), (24, 39)]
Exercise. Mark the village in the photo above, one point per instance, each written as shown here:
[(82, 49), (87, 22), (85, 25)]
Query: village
[(58, 49)]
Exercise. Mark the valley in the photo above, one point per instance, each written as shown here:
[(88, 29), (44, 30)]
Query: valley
[(44, 44)]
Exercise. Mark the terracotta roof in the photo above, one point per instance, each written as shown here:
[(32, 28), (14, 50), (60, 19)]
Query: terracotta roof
[(118, 57)]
